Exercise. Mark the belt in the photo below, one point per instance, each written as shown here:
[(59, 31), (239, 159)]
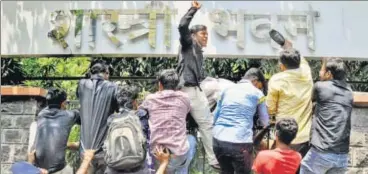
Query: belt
[(192, 85)]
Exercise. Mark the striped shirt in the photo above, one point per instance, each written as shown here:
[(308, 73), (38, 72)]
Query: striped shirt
[(167, 111)]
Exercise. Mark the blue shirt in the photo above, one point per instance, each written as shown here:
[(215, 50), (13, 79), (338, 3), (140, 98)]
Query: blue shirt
[(234, 113)]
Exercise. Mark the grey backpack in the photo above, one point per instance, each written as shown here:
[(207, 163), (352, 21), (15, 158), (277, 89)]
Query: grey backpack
[(125, 143)]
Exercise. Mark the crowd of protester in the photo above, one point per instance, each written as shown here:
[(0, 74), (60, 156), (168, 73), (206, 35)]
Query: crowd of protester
[(118, 135)]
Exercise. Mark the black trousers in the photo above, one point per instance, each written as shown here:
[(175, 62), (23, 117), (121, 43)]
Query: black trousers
[(233, 157), (302, 148)]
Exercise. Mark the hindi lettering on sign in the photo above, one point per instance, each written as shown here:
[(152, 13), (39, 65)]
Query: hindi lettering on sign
[(61, 22), (79, 14), (128, 21), (92, 28), (109, 25), (296, 22), (150, 28)]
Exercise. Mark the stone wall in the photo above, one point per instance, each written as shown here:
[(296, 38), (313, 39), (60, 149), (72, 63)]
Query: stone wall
[(18, 112), (16, 117), (19, 106), (358, 163)]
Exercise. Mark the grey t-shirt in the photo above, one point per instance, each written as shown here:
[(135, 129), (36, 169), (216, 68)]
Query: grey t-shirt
[(97, 98), (53, 128), (331, 120)]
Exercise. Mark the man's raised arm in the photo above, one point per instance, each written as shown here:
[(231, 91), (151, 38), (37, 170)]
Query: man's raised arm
[(185, 35)]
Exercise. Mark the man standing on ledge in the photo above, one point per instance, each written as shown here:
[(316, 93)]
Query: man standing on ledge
[(191, 73)]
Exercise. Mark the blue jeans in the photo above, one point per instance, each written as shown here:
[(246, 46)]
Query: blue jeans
[(319, 162), (180, 164)]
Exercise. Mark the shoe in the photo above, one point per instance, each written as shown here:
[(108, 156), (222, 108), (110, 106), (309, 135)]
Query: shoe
[(216, 166)]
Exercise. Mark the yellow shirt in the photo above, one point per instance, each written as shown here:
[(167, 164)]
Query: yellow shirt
[(290, 95)]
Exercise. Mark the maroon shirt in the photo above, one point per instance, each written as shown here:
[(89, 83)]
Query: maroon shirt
[(167, 120)]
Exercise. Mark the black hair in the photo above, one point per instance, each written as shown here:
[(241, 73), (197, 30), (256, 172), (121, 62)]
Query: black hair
[(255, 74), (55, 96), (290, 58), (337, 68), (126, 95), (286, 130), (195, 28), (169, 79), (98, 68)]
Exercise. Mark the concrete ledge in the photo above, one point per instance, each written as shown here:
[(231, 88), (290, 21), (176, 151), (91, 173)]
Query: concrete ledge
[(361, 99), (22, 91)]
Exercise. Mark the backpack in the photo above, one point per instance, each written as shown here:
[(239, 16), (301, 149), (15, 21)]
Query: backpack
[(125, 143)]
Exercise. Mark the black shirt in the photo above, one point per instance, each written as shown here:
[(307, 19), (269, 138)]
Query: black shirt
[(332, 114), (53, 128), (97, 99), (190, 65)]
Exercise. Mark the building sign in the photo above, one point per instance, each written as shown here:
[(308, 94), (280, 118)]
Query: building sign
[(304, 20), (138, 28), (113, 21)]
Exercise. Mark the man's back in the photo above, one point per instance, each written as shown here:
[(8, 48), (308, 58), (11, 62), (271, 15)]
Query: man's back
[(277, 161), (167, 119), (53, 128), (97, 103), (331, 123), (290, 95), (235, 111)]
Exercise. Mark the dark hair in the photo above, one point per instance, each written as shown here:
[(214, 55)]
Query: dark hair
[(286, 130), (290, 58), (195, 28), (337, 68), (255, 74), (126, 95), (55, 96), (169, 79), (99, 68)]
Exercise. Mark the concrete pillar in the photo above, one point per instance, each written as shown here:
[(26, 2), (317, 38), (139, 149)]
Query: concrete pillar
[(19, 106), (358, 163)]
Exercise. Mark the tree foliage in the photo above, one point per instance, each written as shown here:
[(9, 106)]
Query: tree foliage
[(55, 67), (13, 70)]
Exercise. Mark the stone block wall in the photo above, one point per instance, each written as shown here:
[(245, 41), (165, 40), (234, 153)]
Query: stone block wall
[(16, 117), (358, 163), (19, 111), (19, 106)]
